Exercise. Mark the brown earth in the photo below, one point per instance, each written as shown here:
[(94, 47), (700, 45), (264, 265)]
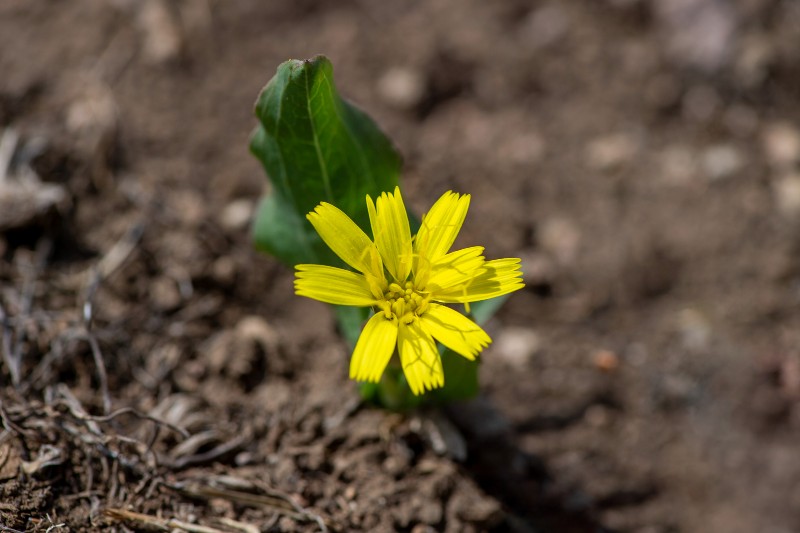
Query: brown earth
[(642, 157)]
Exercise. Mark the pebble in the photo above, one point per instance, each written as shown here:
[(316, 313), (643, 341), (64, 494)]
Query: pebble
[(678, 165), (257, 329), (699, 33), (561, 238), (517, 346), (92, 117), (611, 151), (189, 206), (164, 294), (162, 37), (781, 143), (786, 193), (22, 203), (236, 215), (694, 328), (525, 149), (721, 161), (223, 270), (402, 87), (605, 360)]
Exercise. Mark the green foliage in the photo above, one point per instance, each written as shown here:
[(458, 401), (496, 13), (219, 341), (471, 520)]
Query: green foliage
[(314, 147)]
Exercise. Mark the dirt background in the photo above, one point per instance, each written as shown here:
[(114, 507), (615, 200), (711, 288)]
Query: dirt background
[(642, 157)]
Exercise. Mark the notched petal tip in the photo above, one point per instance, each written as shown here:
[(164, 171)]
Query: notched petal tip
[(391, 232), (374, 349), (441, 225), (420, 359)]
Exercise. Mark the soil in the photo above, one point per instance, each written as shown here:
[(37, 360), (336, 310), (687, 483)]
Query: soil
[(642, 157)]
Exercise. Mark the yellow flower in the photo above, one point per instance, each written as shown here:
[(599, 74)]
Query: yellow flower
[(406, 281)]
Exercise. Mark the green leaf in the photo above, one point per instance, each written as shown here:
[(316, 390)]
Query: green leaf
[(314, 147), (280, 231)]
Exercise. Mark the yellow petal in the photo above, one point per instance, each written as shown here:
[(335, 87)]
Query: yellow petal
[(422, 365), (456, 268), (455, 331), (440, 226), (501, 276), (333, 285), (391, 232), (374, 349), (346, 239)]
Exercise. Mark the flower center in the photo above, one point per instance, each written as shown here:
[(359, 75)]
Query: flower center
[(404, 302)]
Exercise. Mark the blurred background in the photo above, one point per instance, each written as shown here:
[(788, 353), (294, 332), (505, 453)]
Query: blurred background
[(641, 156)]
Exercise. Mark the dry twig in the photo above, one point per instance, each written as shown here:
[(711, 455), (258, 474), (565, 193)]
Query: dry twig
[(275, 500), (157, 524)]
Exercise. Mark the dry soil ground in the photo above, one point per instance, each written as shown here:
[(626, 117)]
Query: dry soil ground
[(642, 157)]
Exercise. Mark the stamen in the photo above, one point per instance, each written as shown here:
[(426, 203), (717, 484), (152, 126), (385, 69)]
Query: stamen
[(403, 303)]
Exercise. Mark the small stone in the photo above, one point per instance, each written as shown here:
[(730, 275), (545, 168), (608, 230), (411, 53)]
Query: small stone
[(781, 143), (605, 360), (164, 294), (699, 33), (678, 165), (561, 238), (189, 206), (402, 87), (92, 117), (694, 328), (611, 151), (257, 329), (10, 460), (721, 161), (218, 350), (517, 346), (753, 60), (162, 38), (524, 149), (430, 511), (786, 192), (236, 215), (22, 203), (480, 509), (223, 270)]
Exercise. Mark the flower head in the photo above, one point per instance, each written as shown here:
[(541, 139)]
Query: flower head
[(406, 281)]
